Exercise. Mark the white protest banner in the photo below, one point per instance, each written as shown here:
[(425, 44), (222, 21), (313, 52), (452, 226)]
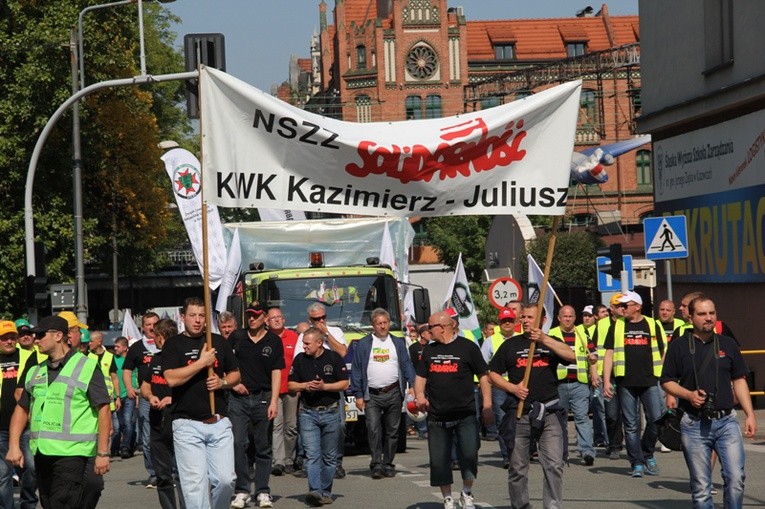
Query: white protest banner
[(460, 299), (230, 274), (186, 178), (262, 152), (537, 277)]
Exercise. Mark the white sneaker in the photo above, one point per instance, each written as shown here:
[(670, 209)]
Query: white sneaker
[(449, 503), (664, 448), (466, 500), (241, 500), (264, 500)]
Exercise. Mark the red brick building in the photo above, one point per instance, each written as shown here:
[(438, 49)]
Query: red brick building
[(409, 59)]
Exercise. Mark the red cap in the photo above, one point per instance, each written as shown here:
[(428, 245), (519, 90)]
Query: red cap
[(506, 314)]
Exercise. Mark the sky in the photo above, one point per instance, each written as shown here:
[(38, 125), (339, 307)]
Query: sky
[(261, 35)]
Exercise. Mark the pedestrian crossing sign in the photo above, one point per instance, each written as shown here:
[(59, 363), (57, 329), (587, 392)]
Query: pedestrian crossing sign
[(665, 237)]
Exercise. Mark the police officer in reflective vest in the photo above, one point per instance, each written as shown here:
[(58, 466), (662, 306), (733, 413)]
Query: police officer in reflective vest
[(68, 403)]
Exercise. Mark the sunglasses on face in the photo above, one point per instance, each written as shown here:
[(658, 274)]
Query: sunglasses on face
[(318, 318), (433, 326)]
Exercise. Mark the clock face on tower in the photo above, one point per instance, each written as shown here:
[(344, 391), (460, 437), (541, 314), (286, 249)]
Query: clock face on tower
[(421, 62)]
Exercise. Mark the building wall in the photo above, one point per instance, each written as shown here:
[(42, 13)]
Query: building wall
[(706, 125)]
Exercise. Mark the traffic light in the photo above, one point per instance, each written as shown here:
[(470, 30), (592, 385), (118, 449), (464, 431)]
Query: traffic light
[(37, 292), (614, 264), (205, 49)]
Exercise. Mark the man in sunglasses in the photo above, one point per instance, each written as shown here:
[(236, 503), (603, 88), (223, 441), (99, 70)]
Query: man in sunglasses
[(443, 387), (634, 352), (68, 403)]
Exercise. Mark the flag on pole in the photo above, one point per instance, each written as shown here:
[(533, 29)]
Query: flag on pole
[(387, 254), (184, 171), (537, 277), (458, 297), (130, 329), (230, 273)]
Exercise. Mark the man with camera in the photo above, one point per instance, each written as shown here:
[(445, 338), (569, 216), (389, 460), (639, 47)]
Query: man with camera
[(705, 370)]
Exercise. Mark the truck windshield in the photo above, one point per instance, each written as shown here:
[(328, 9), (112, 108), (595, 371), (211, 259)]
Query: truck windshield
[(348, 300)]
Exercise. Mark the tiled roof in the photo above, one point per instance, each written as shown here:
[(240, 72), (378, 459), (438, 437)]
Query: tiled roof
[(545, 39), (360, 11)]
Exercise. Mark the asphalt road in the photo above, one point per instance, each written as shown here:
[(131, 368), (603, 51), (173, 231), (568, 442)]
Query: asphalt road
[(606, 484)]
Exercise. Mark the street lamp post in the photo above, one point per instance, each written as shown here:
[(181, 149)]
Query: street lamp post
[(78, 67)]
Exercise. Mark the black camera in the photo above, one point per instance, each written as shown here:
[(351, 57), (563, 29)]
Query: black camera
[(709, 410)]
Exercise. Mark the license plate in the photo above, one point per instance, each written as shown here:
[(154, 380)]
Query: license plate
[(351, 416)]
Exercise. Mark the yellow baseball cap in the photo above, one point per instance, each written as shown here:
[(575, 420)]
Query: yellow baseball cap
[(7, 327), (72, 320), (615, 299)]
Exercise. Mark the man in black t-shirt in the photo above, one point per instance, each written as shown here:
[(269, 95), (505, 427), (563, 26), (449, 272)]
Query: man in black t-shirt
[(202, 437), (705, 371), (155, 390), (444, 388), (320, 376), (254, 402), (543, 418), (634, 349)]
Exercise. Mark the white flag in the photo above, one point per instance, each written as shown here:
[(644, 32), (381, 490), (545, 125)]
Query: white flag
[(387, 254), (183, 168), (129, 328), (231, 274), (267, 214), (536, 276), (459, 298)]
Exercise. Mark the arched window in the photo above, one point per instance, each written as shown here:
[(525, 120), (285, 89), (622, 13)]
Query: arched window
[(433, 106), (363, 109), (413, 106), (643, 167)]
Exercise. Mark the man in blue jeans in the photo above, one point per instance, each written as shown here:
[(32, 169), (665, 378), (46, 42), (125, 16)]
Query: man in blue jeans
[(705, 371), (380, 376), (202, 437), (444, 388), (634, 348), (321, 377)]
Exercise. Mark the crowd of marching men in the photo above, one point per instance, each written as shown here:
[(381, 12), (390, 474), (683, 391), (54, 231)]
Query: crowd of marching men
[(68, 405)]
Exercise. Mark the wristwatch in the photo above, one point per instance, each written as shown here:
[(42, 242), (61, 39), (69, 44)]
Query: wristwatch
[(103, 454), (225, 383)]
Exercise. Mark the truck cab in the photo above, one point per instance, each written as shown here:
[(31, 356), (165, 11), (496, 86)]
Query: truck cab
[(348, 293)]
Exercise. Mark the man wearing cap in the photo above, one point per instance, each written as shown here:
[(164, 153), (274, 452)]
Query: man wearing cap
[(13, 362), (634, 350), (611, 407), (381, 375), (202, 437), (26, 339), (67, 405), (586, 329), (253, 402), (574, 380), (138, 358), (507, 329)]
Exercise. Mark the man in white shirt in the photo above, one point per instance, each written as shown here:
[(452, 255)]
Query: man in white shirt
[(380, 374)]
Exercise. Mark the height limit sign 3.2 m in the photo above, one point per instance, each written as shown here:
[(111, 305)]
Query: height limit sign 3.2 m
[(503, 291)]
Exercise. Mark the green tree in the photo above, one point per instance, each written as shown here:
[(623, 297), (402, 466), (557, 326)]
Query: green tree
[(123, 176), (573, 262)]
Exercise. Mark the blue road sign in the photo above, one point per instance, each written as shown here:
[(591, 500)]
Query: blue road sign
[(608, 284), (665, 237)]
